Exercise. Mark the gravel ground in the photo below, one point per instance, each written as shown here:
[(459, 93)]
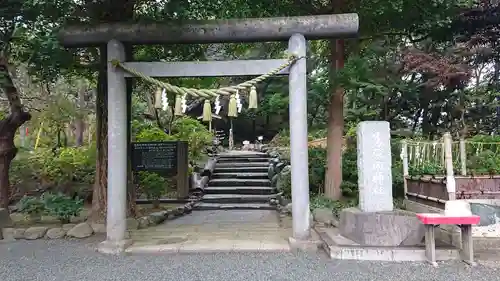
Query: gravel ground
[(44, 260)]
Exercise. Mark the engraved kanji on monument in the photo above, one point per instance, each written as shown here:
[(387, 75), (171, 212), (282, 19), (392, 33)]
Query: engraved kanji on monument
[(374, 166)]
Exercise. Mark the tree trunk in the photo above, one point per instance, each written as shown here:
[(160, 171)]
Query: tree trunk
[(131, 193), (7, 153), (156, 203), (99, 193), (333, 175), (8, 129), (58, 144)]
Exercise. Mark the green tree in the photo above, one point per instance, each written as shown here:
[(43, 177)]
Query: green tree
[(21, 21)]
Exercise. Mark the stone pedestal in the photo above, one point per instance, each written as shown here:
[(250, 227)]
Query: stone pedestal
[(393, 228)]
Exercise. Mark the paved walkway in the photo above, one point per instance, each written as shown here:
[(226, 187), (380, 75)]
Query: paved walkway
[(244, 230), (44, 260)]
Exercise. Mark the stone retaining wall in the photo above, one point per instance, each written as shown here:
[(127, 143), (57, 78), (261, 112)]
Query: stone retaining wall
[(85, 229)]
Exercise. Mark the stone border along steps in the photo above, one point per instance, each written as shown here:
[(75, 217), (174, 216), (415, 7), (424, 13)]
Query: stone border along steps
[(239, 181), (84, 229)]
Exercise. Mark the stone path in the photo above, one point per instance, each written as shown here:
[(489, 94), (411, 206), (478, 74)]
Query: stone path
[(233, 215), (216, 230), (62, 260)]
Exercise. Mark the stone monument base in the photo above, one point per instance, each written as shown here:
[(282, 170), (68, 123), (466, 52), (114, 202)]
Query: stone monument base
[(393, 228)]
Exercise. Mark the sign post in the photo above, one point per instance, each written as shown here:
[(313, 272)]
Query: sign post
[(167, 158)]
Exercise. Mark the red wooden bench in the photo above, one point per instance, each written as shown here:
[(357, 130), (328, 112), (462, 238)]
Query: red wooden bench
[(465, 223)]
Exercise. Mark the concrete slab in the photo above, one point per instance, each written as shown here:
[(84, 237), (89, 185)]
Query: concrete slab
[(339, 247), (212, 246), (233, 206), (214, 231)]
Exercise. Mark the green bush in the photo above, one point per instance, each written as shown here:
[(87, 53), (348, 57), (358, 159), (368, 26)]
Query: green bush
[(284, 183), (20, 170), (349, 183), (492, 140), (153, 185), (317, 168), (426, 168), (486, 162), (58, 205), (68, 164), (335, 206), (31, 206), (317, 164), (61, 206), (153, 134), (397, 179), (184, 129), (195, 133), (282, 139)]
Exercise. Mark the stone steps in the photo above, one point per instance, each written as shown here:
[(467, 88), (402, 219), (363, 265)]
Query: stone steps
[(239, 182), (242, 159), (240, 169), (240, 175), (243, 154), (237, 198), (232, 206), (239, 190), (242, 164)]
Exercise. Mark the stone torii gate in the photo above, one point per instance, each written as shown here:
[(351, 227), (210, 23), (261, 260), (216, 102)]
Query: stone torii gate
[(115, 35)]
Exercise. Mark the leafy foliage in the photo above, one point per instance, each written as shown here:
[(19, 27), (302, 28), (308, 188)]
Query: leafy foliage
[(58, 205), (195, 133), (185, 129), (317, 167), (152, 184), (335, 206), (153, 134), (69, 164), (485, 163), (30, 205), (61, 206)]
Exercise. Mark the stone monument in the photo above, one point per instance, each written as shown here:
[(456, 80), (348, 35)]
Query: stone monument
[(374, 166), (375, 222)]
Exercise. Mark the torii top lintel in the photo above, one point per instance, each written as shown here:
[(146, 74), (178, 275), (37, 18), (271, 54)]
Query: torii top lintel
[(213, 31)]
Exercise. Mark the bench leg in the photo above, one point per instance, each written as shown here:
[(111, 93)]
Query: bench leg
[(430, 244), (467, 245)]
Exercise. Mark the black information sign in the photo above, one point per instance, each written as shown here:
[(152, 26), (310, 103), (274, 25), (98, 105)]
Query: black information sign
[(159, 157)]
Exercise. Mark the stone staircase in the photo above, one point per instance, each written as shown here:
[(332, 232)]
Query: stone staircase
[(239, 181)]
